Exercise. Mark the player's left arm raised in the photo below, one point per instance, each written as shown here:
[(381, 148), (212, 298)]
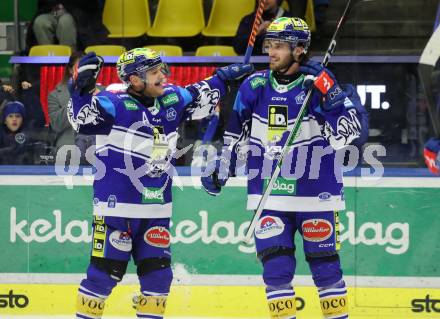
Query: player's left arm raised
[(206, 94), (345, 120)]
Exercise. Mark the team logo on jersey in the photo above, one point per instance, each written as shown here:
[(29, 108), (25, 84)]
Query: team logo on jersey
[(299, 99), (170, 99), (171, 114), (278, 117), (20, 138), (120, 240), (130, 105), (152, 195), (269, 226), (316, 230), (158, 237)]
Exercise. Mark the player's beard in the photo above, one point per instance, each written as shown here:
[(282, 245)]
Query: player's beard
[(282, 67)]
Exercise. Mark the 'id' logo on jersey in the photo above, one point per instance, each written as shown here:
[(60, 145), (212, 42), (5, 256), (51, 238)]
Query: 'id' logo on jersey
[(277, 115)]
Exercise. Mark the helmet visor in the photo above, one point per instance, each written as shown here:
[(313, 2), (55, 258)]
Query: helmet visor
[(276, 43)]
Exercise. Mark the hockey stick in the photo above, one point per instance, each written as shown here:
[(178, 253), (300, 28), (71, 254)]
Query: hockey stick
[(247, 57), (253, 35), (292, 134)]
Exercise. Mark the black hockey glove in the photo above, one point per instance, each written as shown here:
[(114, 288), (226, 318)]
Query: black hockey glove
[(86, 72)]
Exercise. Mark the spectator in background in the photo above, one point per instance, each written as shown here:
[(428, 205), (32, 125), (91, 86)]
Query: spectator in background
[(26, 94), (57, 105), (14, 140), (273, 10), (76, 23), (298, 9)]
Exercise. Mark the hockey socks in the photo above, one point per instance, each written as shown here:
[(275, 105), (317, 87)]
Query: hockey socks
[(333, 300), (281, 301), (92, 293), (151, 305), (155, 286), (89, 305)]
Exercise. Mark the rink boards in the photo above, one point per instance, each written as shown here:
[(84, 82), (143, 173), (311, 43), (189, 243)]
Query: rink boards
[(225, 301), (389, 232)]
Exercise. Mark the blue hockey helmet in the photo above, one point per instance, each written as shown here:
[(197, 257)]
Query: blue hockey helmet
[(137, 62), (291, 30)]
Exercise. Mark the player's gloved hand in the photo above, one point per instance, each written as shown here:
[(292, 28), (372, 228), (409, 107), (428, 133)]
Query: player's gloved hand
[(234, 71), (325, 82), (86, 72), (432, 155), (214, 177)]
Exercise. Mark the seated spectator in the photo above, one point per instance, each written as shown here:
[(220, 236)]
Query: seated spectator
[(75, 23), (30, 99), (273, 10), (57, 105), (15, 144)]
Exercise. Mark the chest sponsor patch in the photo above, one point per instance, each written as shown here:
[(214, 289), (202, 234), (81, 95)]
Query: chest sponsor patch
[(170, 99), (282, 186), (152, 195), (120, 240), (258, 81), (316, 230), (130, 105), (158, 237), (277, 124), (269, 226)]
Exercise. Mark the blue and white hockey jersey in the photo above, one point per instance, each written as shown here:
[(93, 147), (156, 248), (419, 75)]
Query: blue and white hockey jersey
[(136, 144), (310, 178)]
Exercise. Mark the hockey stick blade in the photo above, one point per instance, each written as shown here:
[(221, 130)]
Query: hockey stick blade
[(292, 134)]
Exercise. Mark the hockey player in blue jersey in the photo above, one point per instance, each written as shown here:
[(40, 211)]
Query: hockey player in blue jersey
[(309, 192), (136, 135)]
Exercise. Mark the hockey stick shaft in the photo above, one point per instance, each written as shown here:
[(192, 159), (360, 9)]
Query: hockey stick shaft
[(255, 26), (292, 134), (247, 56)]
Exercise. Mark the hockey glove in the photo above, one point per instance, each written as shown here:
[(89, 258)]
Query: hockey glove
[(234, 71), (322, 79), (86, 72), (432, 155), (212, 179)]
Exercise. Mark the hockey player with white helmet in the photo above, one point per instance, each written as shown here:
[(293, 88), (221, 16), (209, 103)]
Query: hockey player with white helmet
[(308, 194), (136, 135)]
